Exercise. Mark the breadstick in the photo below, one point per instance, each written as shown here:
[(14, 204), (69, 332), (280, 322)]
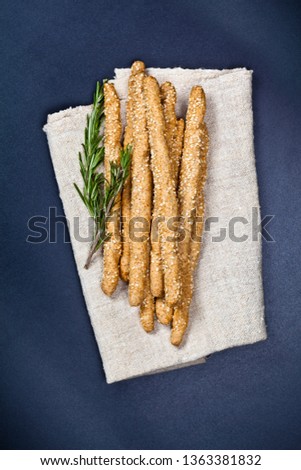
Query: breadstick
[(156, 270), (126, 200), (168, 97), (164, 312), (200, 206), (191, 163), (181, 312), (192, 179), (112, 247), (147, 309), (165, 190), (178, 146), (174, 129), (141, 197)]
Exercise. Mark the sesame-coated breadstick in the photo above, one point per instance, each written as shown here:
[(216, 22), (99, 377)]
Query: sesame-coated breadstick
[(126, 201), (168, 98), (164, 312), (164, 189), (156, 269), (141, 192), (181, 311), (112, 247), (191, 162), (174, 129), (200, 205), (178, 147), (147, 308), (192, 180)]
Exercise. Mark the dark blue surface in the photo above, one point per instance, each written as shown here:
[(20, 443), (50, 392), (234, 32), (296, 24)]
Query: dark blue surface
[(53, 391)]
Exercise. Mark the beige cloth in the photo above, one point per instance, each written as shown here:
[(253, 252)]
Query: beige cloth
[(227, 308)]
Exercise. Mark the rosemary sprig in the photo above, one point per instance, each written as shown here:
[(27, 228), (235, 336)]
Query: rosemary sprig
[(98, 194), (92, 155)]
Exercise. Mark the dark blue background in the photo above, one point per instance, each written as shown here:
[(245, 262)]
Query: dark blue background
[(53, 391)]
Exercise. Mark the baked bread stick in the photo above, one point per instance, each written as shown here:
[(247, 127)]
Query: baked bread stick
[(200, 204), (191, 162), (191, 177), (164, 312), (181, 312), (168, 98), (156, 269), (174, 129), (112, 247), (126, 200), (147, 308), (178, 147), (165, 190), (174, 137), (141, 192)]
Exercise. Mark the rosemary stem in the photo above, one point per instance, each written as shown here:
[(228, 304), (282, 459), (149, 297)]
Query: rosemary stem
[(92, 250)]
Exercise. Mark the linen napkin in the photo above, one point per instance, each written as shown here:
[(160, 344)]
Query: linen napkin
[(227, 308)]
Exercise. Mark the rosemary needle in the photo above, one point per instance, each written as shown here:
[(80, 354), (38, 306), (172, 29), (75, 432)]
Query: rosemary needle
[(98, 194)]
